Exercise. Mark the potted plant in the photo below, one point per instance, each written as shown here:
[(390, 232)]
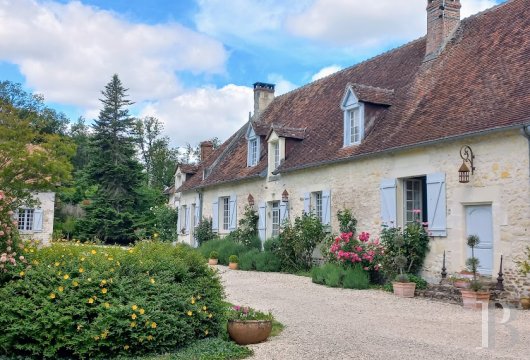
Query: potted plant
[(525, 302), (475, 296), (233, 262), (460, 282), (402, 285), (248, 326), (214, 256)]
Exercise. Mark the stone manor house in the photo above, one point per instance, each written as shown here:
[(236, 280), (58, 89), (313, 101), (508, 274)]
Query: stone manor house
[(440, 125)]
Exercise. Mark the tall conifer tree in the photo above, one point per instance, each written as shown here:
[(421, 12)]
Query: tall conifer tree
[(114, 168)]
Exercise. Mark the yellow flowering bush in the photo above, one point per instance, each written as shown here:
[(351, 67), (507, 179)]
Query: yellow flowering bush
[(74, 302)]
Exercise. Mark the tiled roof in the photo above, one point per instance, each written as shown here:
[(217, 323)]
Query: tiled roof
[(479, 83), (188, 168), (372, 94), (287, 132)]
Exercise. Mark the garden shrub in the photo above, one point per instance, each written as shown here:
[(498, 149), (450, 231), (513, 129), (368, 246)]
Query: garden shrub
[(165, 218), (247, 261), (421, 284), (298, 241), (412, 243), (271, 244), (317, 275), (356, 278), (247, 231), (347, 222), (268, 262), (204, 232), (332, 274), (84, 301), (224, 247)]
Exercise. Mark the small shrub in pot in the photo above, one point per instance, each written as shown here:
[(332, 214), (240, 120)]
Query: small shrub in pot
[(233, 261)]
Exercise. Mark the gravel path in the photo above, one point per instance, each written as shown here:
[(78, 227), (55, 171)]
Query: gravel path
[(326, 323)]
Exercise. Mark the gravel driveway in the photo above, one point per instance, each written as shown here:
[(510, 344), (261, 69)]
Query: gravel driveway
[(326, 323)]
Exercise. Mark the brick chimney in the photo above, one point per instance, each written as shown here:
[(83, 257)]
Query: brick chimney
[(206, 150), (443, 18), (263, 96)]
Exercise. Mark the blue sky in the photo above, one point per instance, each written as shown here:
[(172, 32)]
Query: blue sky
[(192, 63)]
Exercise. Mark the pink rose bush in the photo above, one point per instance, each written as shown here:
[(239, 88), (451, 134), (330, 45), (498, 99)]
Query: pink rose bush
[(351, 250), (10, 246)]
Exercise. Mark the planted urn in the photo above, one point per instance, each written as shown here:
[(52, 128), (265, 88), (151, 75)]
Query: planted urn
[(474, 297), (248, 326), (233, 262), (214, 258)]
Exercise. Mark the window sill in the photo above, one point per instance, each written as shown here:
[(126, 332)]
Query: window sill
[(274, 177)]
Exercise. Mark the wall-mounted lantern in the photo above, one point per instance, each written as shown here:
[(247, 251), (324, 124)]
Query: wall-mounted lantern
[(250, 200), (467, 156), (285, 196)]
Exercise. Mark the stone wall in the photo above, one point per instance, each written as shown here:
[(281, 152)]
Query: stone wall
[(46, 201), (501, 179)]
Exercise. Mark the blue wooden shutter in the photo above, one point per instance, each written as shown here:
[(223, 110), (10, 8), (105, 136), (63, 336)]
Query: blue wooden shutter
[(233, 213), (307, 203), (37, 220), (326, 208), (197, 210), (188, 218), (388, 202), (284, 212), (215, 215), (436, 205), (179, 216), (262, 221)]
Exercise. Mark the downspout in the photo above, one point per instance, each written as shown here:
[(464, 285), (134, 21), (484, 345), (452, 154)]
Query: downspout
[(526, 133)]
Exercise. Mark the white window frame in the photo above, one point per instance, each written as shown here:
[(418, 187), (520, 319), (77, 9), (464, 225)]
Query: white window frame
[(25, 219), (413, 199), (317, 207), (276, 147), (351, 105), (253, 147), (225, 213), (275, 215)]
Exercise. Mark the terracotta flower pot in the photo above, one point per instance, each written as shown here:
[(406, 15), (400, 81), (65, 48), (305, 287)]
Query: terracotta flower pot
[(245, 332), (461, 284), (474, 299), (525, 303), (405, 290), (233, 266), (213, 261)]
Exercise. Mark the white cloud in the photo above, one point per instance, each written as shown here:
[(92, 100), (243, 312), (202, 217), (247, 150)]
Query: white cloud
[(328, 70), (365, 24), (245, 19), (203, 113), (282, 85), (70, 51)]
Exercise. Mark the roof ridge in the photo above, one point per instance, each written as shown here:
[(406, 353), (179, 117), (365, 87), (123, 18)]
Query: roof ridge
[(371, 87), (486, 11), (351, 67)]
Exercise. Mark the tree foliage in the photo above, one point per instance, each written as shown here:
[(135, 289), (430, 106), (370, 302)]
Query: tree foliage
[(30, 160), (119, 201)]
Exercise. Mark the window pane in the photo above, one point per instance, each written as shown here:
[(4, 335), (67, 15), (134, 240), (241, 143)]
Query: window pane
[(226, 213), (318, 205), (275, 218), (355, 126), (413, 200)]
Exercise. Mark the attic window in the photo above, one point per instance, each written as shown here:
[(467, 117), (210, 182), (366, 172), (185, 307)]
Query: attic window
[(353, 118), (253, 148)]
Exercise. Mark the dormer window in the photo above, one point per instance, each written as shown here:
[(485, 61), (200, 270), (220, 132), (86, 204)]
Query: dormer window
[(353, 118), (253, 147)]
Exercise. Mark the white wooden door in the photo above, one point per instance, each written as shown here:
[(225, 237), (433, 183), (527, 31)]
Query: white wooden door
[(479, 222)]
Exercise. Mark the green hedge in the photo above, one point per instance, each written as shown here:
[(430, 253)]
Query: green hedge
[(97, 302), (334, 275), (225, 248)]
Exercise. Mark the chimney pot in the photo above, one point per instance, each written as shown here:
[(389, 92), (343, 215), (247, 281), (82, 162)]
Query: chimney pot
[(206, 149), (263, 96), (443, 18)]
